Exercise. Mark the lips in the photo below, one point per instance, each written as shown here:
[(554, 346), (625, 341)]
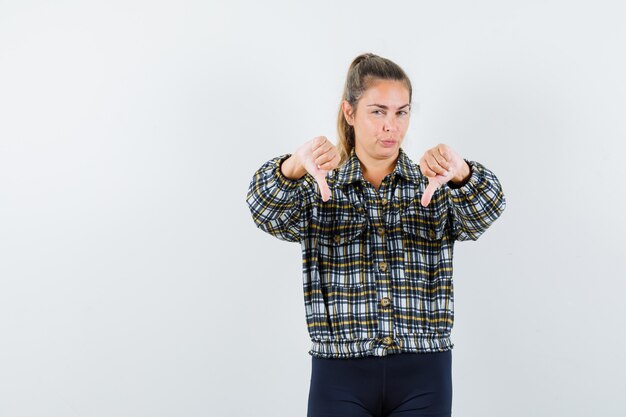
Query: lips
[(388, 142)]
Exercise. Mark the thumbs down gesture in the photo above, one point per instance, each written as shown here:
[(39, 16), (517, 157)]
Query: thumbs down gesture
[(440, 165)]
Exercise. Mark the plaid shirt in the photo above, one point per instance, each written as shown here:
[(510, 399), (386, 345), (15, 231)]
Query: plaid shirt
[(377, 265)]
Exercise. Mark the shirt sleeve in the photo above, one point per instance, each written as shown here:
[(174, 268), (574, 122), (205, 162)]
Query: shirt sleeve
[(280, 206), (476, 203)]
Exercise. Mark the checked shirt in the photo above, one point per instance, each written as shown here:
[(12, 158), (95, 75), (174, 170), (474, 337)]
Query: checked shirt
[(376, 264)]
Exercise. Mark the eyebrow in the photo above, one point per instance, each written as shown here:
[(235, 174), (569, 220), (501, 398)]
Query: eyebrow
[(382, 106)]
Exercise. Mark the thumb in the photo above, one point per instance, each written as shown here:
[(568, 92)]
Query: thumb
[(430, 190), (320, 178)]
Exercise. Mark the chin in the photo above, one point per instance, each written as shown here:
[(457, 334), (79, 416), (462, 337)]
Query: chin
[(391, 149)]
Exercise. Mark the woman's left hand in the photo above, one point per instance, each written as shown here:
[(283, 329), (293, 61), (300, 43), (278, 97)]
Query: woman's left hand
[(440, 165)]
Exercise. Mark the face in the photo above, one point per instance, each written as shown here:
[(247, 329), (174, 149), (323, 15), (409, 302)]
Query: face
[(381, 119)]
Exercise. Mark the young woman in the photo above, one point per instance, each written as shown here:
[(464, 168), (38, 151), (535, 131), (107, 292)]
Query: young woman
[(377, 233)]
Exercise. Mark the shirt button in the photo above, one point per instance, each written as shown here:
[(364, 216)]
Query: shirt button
[(383, 266), (385, 301), (431, 233), (336, 238), (388, 340), (381, 231), (384, 201)]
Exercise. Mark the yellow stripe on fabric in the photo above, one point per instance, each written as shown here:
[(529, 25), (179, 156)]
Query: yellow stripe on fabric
[(422, 289), (426, 319), (413, 271)]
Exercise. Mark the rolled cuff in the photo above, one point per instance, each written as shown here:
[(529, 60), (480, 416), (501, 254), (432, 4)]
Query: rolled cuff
[(283, 182), (469, 186)]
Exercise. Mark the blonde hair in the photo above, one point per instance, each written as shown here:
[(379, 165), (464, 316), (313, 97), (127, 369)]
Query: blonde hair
[(364, 70)]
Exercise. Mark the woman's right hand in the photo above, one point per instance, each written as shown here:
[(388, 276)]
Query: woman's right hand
[(317, 156)]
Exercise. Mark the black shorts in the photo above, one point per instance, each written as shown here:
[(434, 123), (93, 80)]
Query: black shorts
[(396, 385)]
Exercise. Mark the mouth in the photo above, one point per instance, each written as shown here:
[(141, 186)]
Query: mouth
[(388, 142)]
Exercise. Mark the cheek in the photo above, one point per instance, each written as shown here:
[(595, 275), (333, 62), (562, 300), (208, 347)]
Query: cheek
[(372, 125), (366, 126)]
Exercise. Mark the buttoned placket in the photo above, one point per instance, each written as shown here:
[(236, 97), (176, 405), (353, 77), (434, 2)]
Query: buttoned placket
[(377, 204)]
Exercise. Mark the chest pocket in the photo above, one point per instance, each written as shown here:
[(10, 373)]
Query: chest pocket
[(423, 232), (421, 227), (342, 251), (426, 222)]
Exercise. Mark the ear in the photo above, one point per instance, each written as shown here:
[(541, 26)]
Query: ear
[(347, 112)]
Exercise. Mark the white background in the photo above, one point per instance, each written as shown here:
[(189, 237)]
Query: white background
[(133, 281)]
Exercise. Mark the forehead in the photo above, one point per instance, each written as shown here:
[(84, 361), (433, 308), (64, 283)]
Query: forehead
[(389, 92)]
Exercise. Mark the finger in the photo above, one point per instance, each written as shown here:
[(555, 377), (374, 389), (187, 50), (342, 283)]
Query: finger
[(434, 166), (433, 185), (429, 191), (424, 167), (322, 149), (427, 171), (320, 178), (441, 159), (328, 166), (325, 157), (332, 164), (445, 151), (317, 142), (442, 179)]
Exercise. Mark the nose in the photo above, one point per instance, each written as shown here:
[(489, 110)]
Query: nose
[(390, 124)]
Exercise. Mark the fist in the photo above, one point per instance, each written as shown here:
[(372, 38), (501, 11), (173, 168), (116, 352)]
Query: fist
[(440, 165), (319, 156)]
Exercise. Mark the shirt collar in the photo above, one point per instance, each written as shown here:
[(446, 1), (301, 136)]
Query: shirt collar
[(351, 172)]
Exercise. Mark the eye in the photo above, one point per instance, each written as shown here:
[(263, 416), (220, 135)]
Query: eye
[(377, 112), (403, 112)]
